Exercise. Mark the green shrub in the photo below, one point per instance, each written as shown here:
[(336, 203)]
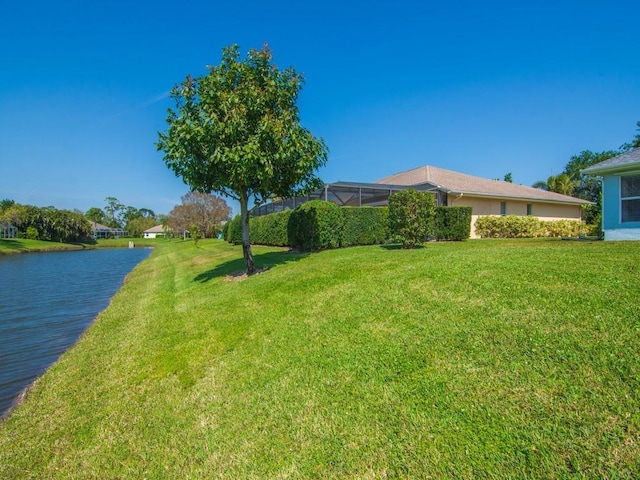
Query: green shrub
[(32, 233), (453, 223), (225, 231), (271, 229), (514, 226), (365, 225), (235, 231), (316, 225), (509, 226), (411, 217), (565, 228)]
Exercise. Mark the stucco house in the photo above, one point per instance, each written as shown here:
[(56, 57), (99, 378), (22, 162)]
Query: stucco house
[(483, 195), (620, 195), (489, 197), (155, 232)]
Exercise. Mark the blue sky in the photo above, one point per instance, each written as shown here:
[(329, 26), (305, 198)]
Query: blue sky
[(483, 88)]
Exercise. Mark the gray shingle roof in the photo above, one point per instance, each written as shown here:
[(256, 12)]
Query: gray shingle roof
[(455, 182), (622, 161)]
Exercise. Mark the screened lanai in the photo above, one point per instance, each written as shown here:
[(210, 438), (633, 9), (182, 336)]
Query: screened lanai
[(102, 231), (8, 231), (347, 194)]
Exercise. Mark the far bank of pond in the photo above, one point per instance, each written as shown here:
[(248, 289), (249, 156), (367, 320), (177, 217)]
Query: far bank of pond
[(46, 301), (22, 245)]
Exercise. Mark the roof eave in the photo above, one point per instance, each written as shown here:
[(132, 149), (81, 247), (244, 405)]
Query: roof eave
[(612, 170), (577, 201)]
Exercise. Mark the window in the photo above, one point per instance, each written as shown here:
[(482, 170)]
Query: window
[(503, 208), (529, 209), (630, 198)]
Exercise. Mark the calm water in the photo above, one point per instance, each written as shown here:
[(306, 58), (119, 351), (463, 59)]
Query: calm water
[(46, 301)]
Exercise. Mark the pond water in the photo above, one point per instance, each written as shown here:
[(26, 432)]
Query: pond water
[(46, 301)]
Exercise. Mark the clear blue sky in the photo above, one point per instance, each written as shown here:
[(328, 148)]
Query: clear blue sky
[(483, 88)]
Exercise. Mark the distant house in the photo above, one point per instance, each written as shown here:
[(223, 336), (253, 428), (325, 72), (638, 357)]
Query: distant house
[(620, 195), (102, 231), (155, 232), (483, 195), (8, 231)]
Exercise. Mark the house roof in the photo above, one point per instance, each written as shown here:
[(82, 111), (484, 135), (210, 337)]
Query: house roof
[(623, 161), (99, 226), (155, 229), (454, 182)]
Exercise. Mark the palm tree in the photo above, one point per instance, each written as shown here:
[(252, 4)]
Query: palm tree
[(562, 183), (541, 184)]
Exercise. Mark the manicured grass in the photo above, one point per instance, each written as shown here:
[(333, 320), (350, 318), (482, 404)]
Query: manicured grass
[(21, 245), (482, 359)]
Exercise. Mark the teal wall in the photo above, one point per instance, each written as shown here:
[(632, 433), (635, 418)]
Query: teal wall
[(611, 204)]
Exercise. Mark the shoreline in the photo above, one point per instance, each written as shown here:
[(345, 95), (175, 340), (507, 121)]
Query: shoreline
[(11, 246)]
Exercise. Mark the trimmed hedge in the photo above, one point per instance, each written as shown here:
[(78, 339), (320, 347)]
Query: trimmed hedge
[(271, 229), (365, 226), (319, 225), (234, 231), (514, 226), (225, 231), (411, 217), (316, 225), (453, 223)]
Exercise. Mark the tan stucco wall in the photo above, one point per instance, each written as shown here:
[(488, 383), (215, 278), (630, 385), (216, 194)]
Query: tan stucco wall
[(491, 206)]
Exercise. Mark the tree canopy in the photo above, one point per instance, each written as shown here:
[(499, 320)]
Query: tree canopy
[(46, 223), (118, 215), (203, 211), (236, 132), (571, 181)]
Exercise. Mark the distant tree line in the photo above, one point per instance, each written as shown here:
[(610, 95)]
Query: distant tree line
[(200, 213), (45, 223), (572, 182), (118, 215)]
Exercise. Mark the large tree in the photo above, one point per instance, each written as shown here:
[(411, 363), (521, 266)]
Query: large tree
[(97, 215), (236, 132), (114, 210), (204, 211)]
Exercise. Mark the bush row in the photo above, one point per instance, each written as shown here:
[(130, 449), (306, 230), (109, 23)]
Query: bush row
[(365, 226), (319, 225), (412, 217), (232, 231), (272, 229), (452, 223), (514, 226), (316, 225)]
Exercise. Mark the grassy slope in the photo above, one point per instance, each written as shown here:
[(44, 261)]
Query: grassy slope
[(478, 359)]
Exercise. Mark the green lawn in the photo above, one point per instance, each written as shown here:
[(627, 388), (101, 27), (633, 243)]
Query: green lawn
[(482, 359), (22, 245)]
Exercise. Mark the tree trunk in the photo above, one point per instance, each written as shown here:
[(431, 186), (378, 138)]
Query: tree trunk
[(246, 241)]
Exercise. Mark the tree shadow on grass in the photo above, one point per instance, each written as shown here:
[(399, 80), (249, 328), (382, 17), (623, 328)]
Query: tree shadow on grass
[(12, 245), (263, 261)]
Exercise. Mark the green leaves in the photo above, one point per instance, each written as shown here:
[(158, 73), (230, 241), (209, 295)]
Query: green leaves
[(236, 131), (411, 217)]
